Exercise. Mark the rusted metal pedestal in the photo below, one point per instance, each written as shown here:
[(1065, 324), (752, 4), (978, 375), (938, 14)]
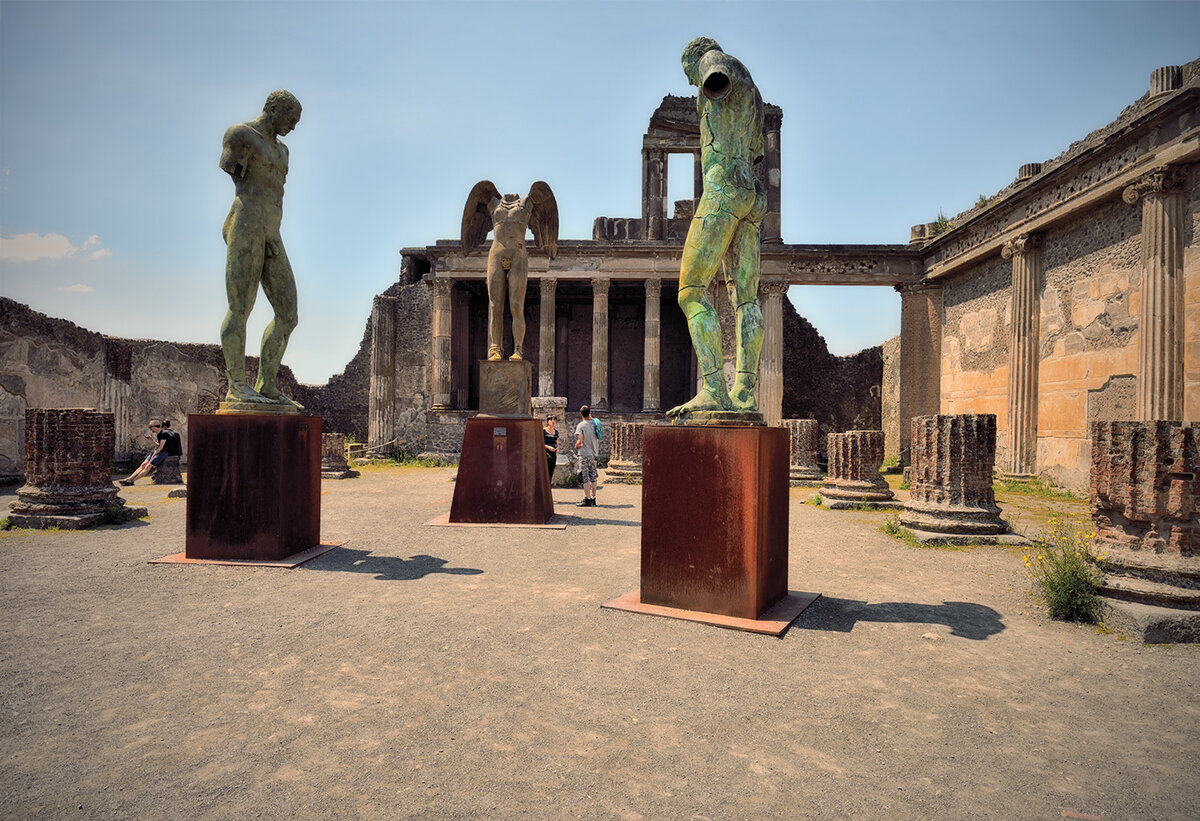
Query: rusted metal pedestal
[(502, 473), (254, 486), (715, 528)]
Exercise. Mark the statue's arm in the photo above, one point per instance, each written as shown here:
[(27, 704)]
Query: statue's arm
[(236, 151)]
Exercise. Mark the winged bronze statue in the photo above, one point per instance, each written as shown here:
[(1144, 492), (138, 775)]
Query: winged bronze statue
[(508, 261)]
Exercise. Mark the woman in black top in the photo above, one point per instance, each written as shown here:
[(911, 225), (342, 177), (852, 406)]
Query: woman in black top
[(550, 433)]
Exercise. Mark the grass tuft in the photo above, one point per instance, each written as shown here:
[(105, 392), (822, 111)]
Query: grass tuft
[(1061, 564)]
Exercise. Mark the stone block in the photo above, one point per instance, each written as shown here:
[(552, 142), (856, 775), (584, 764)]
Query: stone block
[(506, 388), (625, 463), (803, 465), (333, 457), (168, 473)]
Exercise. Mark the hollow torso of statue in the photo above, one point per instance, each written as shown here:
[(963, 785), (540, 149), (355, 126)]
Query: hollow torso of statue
[(727, 227)]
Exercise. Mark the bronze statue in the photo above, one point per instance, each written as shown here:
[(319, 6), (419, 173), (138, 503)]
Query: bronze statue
[(258, 163), (727, 227), (508, 261)]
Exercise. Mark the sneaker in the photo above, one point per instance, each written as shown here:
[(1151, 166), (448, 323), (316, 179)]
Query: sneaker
[(585, 503)]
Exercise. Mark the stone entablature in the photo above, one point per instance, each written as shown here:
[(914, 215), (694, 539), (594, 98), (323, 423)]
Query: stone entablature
[(1145, 500), (584, 260), (952, 461), (1094, 170)]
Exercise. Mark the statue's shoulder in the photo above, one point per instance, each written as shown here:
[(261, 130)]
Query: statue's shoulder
[(242, 133)]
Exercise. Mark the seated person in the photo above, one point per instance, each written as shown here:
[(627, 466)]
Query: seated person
[(156, 457)]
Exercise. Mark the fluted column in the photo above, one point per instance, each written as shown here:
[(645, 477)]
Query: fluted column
[(381, 408), (1026, 254), (441, 342), (654, 192), (546, 338), (600, 343), (770, 361), (952, 464), (652, 355), (854, 478), (1161, 320)]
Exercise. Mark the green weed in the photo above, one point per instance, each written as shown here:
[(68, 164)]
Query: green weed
[(1059, 562)]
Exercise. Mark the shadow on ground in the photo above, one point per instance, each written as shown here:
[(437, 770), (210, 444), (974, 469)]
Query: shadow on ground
[(386, 568), (965, 619)]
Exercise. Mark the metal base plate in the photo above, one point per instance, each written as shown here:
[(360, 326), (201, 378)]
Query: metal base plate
[(294, 560), (774, 622)]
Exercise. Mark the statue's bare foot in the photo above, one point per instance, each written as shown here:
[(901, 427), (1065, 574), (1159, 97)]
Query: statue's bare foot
[(241, 392), (274, 396), (516, 357), (706, 400), (742, 395)]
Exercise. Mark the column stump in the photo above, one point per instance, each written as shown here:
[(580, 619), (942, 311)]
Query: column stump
[(951, 500), (333, 457), (68, 472), (254, 486), (169, 472), (854, 480), (804, 469), (1145, 503), (625, 463)]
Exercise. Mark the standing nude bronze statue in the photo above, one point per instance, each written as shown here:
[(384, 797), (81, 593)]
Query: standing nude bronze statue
[(258, 163), (727, 227), (508, 261)]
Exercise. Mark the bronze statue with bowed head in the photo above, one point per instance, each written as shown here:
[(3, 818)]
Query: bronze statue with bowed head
[(727, 227), (257, 162), (508, 217)]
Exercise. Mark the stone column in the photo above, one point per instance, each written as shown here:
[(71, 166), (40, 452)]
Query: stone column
[(1161, 320), (772, 222), (1026, 254), (854, 478), (546, 338), (804, 468), (770, 362), (556, 406), (625, 463), (600, 343), (920, 355), (441, 342), (652, 353), (1145, 499), (68, 471), (381, 410), (654, 192), (951, 491)]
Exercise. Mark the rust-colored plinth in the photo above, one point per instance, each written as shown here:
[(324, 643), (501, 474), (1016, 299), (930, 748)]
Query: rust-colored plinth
[(292, 561), (254, 486), (502, 474), (774, 622), (715, 519)]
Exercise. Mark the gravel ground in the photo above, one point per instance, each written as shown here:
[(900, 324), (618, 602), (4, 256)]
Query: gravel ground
[(470, 672)]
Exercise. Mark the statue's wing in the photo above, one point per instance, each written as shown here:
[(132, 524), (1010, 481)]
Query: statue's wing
[(477, 214), (543, 217)]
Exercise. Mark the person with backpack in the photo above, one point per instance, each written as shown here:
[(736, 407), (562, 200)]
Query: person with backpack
[(587, 443)]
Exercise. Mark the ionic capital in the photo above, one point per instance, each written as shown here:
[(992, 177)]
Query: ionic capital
[(600, 286), (1023, 244), (653, 288), (549, 286), (442, 286), (905, 289), (1169, 179)]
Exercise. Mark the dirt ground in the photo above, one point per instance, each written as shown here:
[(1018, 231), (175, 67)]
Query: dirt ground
[(426, 672)]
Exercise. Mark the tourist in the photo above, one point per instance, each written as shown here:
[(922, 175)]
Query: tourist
[(156, 457), (588, 445), (174, 446), (550, 433)]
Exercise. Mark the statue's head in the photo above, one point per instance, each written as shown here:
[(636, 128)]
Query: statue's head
[(692, 54), (283, 110)]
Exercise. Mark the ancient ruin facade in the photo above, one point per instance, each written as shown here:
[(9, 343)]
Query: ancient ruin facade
[(603, 327), (1072, 296)]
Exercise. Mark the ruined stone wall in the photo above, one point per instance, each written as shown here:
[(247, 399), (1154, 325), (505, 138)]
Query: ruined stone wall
[(1191, 300), (414, 368), (342, 403), (975, 344), (52, 363)]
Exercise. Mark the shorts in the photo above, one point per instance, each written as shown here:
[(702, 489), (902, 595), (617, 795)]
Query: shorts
[(587, 469), (157, 459)]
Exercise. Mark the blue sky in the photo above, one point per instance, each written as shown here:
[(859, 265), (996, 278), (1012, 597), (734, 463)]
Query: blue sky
[(111, 117)]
